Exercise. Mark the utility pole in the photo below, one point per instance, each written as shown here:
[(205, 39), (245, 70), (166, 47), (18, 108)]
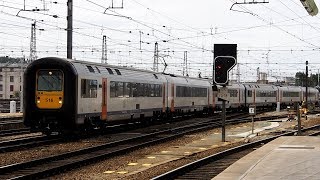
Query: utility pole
[(69, 29), (318, 77), (306, 85), (156, 58), (33, 40), (185, 64), (104, 57), (238, 72), (21, 85), (140, 39)]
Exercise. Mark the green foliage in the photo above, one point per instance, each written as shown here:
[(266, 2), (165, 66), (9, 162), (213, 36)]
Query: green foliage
[(16, 94), (301, 79)]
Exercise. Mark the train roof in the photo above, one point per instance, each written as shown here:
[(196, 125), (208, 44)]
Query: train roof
[(116, 68)]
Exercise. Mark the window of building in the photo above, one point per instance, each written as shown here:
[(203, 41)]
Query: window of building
[(1, 78), (11, 69), (89, 88), (11, 88), (0, 69), (11, 78), (1, 95), (1, 87)]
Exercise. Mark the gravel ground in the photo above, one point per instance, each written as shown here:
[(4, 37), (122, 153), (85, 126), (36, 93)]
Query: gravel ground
[(113, 164), (47, 150), (90, 172), (20, 136)]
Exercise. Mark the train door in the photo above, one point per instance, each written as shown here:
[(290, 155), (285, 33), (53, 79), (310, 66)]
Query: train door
[(104, 99), (164, 97), (172, 98)]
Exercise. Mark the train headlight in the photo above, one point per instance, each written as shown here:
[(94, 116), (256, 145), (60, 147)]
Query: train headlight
[(60, 102), (38, 101)]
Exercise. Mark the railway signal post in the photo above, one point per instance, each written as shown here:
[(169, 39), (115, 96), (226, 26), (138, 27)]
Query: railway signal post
[(225, 58), (252, 112)]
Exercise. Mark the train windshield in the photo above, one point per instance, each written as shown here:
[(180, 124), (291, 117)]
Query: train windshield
[(50, 80)]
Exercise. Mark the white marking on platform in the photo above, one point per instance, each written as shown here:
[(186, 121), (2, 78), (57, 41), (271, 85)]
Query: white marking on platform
[(248, 133)]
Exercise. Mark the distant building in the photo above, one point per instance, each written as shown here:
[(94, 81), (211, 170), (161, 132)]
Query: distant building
[(11, 80)]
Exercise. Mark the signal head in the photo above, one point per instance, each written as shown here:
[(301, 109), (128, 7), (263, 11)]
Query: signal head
[(222, 66)]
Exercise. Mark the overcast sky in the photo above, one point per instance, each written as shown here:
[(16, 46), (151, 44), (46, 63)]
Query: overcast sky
[(278, 37)]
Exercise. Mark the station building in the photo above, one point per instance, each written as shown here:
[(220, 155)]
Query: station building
[(11, 79)]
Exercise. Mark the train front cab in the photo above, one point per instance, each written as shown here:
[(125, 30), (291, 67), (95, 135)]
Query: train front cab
[(50, 96)]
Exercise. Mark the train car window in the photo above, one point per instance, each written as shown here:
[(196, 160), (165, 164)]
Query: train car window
[(49, 80), (1, 87), (109, 70), (117, 71), (194, 92), (155, 76), (140, 87), (112, 89), (249, 93), (233, 93), (90, 69), (89, 88), (158, 90), (178, 91), (127, 90), (147, 90), (135, 89), (1, 78), (98, 69), (152, 94), (119, 89), (130, 87)]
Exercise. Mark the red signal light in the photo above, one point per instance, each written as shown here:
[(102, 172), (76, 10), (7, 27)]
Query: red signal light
[(222, 65)]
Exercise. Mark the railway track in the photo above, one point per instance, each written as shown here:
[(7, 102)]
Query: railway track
[(11, 132), (28, 142), (11, 123), (209, 167), (126, 142)]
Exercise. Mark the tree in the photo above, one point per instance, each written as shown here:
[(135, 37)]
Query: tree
[(301, 79), (6, 59)]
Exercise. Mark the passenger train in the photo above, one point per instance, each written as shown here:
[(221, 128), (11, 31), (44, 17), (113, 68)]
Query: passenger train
[(68, 96)]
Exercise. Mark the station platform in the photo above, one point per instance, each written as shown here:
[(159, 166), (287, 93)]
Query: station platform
[(195, 144), (292, 157), (10, 115)]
